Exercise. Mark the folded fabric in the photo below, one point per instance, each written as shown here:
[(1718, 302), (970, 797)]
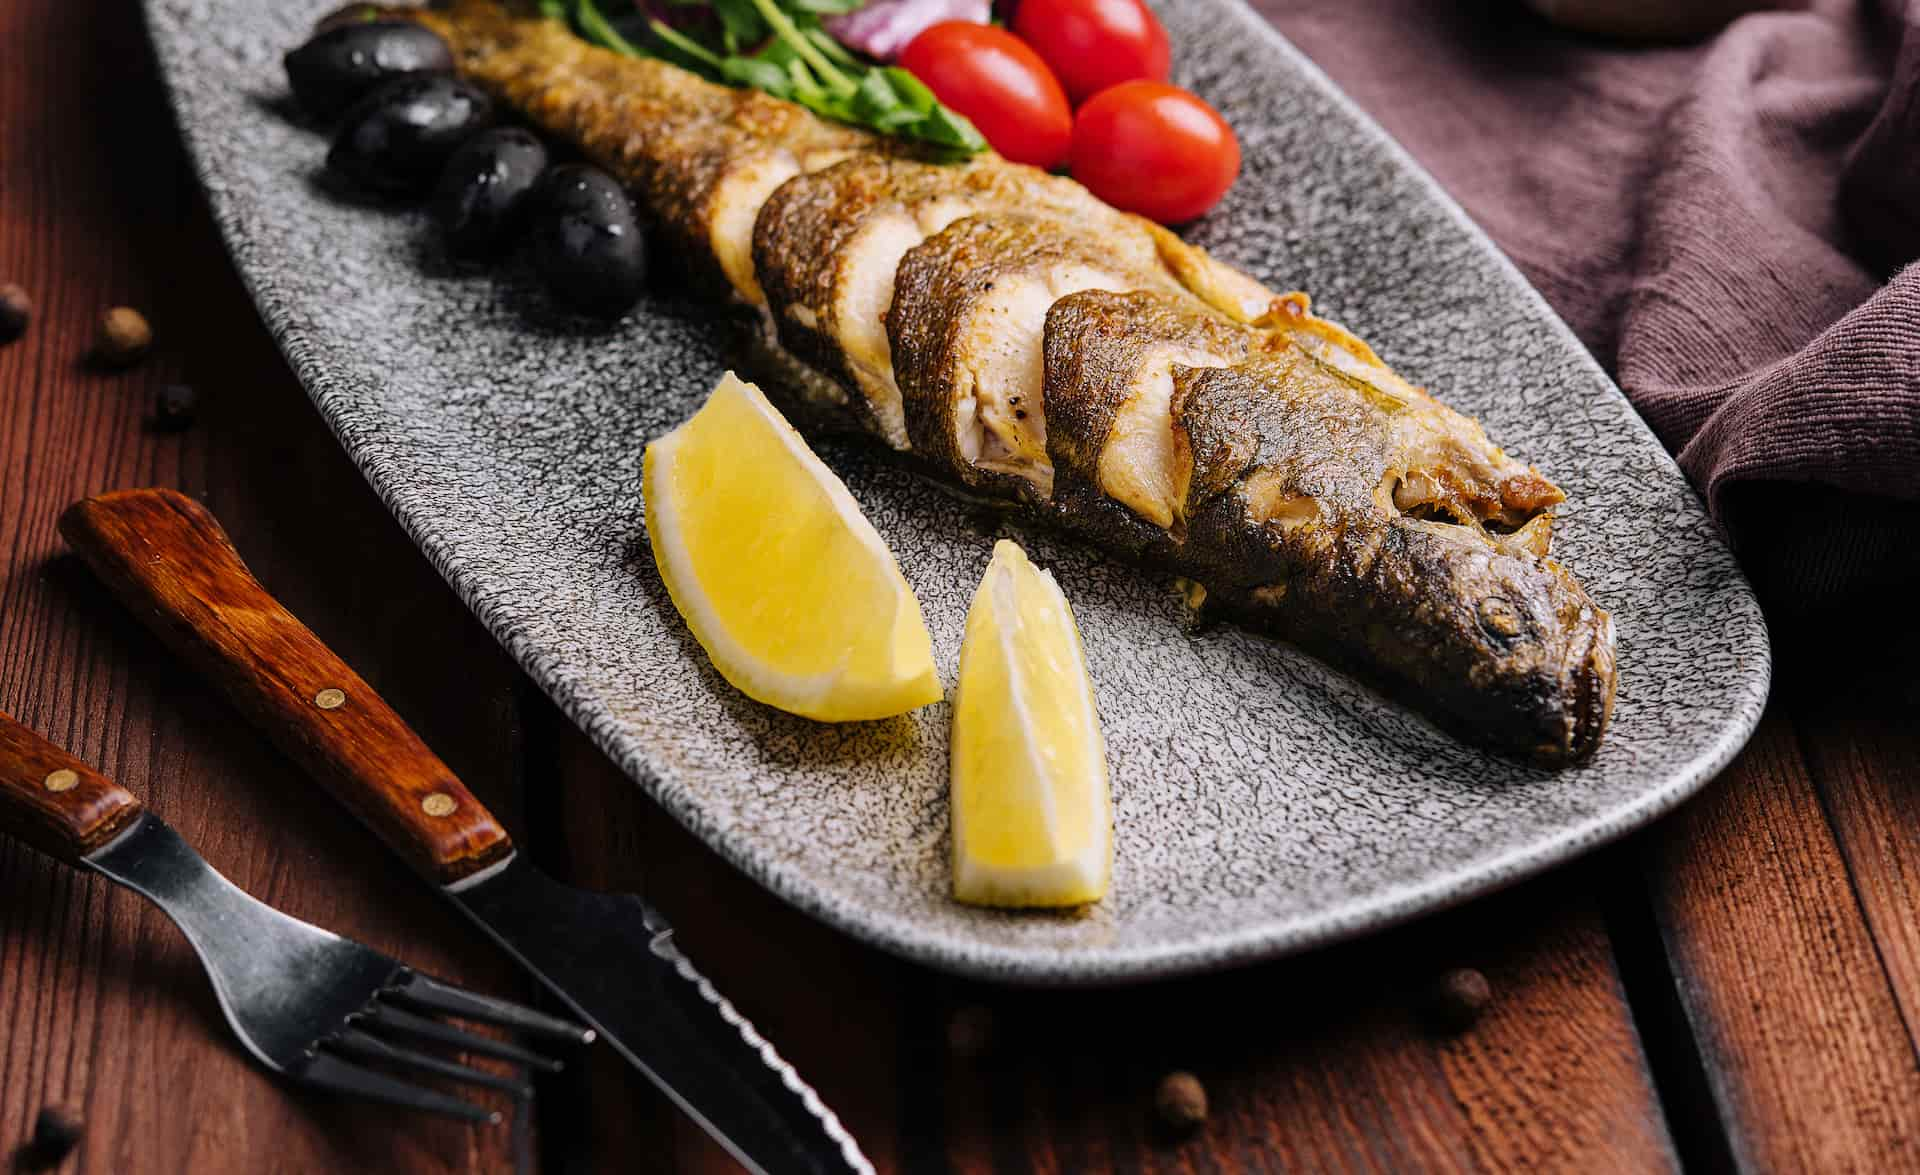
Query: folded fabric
[(1725, 225)]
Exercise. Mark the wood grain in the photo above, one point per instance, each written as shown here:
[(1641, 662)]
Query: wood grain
[(165, 557), (54, 801), (1861, 743), (1325, 1063), (1782, 903), (103, 1002), (1320, 1063), (1809, 1062)]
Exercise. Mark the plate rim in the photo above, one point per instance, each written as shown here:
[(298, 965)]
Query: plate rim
[(1020, 964)]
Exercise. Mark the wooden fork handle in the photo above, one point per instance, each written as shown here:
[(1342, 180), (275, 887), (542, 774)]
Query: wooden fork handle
[(55, 802), (169, 561)]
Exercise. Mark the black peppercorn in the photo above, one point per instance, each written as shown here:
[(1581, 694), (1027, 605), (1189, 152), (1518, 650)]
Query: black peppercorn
[(1457, 999), (174, 407), (56, 1131)]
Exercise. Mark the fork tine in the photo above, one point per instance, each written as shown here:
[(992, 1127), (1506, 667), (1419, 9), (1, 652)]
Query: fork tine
[(373, 1048), (388, 1016), (441, 996), (325, 1069)]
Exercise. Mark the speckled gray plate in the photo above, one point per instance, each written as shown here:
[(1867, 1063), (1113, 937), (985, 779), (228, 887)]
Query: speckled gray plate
[(1263, 804)]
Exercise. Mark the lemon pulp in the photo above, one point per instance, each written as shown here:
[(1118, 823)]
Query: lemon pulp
[(784, 582), (1032, 824)]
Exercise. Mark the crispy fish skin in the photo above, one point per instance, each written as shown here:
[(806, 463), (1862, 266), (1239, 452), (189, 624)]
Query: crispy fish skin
[(1294, 465), (967, 326), (812, 245), (1109, 392), (828, 244), (1315, 493), (676, 140)]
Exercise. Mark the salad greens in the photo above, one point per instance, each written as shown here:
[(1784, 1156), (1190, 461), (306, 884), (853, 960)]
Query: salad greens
[(780, 47)]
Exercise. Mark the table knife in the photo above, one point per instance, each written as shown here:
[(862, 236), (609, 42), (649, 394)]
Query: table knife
[(608, 957)]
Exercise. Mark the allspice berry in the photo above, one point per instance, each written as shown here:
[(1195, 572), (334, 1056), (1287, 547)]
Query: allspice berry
[(124, 337), (56, 1131), (1181, 1102), (1457, 999), (15, 311)]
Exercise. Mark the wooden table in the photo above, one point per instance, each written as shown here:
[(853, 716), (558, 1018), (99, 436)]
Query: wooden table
[(1740, 985)]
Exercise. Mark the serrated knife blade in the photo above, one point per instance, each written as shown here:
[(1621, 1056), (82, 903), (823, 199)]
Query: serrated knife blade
[(611, 958)]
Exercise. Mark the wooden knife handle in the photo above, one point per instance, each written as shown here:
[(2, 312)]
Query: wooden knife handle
[(168, 560), (55, 802)]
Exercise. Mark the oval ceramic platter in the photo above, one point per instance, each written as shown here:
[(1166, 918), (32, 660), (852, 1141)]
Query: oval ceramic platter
[(1263, 804)]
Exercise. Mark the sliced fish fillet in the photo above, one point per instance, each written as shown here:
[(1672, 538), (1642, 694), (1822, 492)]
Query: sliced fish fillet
[(1028, 342)]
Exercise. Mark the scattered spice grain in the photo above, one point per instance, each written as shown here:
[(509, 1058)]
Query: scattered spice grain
[(1181, 1102), (124, 337), (56, 1131), (174, 407), (1457, 999), (16, 309)]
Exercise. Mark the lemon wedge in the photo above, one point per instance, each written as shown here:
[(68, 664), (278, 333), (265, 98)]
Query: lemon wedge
[(782, 579), (1032, 822)]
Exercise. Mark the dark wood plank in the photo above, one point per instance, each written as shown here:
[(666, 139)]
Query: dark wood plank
[(1792, 939), (1326, 1063), (103, 1001), (1862, 747), (1316, 1063), (1798, 1027)]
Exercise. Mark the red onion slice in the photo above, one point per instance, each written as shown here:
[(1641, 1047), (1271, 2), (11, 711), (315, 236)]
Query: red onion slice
[(885, 27)]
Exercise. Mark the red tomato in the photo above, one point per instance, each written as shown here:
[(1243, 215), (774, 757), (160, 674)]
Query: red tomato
[(1093, 44), (1000, 84), (1154, 149)]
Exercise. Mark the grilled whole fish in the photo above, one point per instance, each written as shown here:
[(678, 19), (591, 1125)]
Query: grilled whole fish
[(1017, 336)]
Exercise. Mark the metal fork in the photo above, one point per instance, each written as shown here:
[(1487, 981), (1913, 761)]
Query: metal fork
[(316, 1007)]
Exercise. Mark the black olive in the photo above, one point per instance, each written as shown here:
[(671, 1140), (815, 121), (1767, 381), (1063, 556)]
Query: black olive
[(343, 64), (399, 137), (587, 243), (482, 193)]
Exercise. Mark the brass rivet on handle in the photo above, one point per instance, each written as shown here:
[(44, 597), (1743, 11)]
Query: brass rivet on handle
[(330, 698), (62, 779), (437, 804)]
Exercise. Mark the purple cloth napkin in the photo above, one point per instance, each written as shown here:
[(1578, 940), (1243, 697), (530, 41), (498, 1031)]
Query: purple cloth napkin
[(1725, 224)]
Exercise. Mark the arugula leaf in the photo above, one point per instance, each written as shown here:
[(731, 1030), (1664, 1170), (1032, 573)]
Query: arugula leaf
[(911, 89), (741, 22), (779, 47), (685, 44), (895, 120), (756, 74), (597, 29), (948, 128), (834, 50), (827, 7), (875, 100)]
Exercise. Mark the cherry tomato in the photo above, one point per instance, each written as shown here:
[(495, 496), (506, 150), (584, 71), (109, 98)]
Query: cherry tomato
[(1093, 44), (1000, 84), (1154, 149)]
